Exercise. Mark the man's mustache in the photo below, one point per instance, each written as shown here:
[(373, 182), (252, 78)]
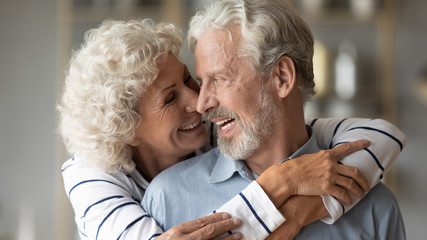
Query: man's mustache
[(220, 112)]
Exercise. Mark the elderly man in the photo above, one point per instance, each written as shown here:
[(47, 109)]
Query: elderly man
[(254, 63)]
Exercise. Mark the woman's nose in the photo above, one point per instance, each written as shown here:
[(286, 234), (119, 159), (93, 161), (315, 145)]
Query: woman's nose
[(191, 101)]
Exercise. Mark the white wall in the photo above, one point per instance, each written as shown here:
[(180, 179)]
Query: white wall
[(28, 76), (412, 165)]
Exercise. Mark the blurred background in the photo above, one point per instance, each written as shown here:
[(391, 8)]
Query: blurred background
[(370, 61)]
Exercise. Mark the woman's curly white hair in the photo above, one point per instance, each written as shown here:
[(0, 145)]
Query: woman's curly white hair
[(107, 77)]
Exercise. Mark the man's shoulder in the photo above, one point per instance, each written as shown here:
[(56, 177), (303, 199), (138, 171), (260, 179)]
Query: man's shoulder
[(380, 203), (381, 193), (383, 198), (376, 216)]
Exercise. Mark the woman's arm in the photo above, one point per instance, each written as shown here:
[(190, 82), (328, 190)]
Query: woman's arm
[(264, 200), (107, 206), (386, 143), (299, 211)]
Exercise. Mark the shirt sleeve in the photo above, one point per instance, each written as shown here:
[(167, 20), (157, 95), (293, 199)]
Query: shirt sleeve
[(258, 214), (106, 206), (386, 143)]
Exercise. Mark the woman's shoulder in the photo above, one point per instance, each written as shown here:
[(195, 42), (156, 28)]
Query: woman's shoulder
[(77, 174)]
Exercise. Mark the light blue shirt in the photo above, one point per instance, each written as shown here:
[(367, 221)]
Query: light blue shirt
[(196, 187)]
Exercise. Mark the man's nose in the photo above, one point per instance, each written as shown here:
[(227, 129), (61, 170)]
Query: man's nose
[(207, 99)]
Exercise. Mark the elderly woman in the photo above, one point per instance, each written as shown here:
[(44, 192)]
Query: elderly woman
[(128, 111)]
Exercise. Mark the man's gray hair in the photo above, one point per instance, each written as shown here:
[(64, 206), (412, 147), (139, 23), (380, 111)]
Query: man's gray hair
[(270, 29)]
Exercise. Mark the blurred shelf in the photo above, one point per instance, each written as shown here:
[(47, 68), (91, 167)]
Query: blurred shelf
[(341, 17), (96, 14), (373, 34)]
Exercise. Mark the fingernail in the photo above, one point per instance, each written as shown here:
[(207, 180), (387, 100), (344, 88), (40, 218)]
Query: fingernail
[(237, 221), (366, 142), (237, 235), (226, 216)]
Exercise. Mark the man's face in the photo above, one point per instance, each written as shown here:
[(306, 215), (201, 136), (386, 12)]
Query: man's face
[(231, 95)]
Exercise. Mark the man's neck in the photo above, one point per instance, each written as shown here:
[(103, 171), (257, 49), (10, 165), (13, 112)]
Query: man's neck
[(277, 147)]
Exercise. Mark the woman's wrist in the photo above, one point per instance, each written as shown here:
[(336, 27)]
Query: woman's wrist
[(275, 182), (287, 231)]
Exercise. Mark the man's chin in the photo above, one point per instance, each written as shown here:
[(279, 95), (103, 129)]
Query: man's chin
[(233, 150), (226, 146)]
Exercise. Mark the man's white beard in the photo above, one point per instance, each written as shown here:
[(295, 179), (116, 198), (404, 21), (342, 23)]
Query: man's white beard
[(251, 136)]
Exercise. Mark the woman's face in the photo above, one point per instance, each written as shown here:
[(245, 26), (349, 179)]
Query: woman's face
[(170, 125)]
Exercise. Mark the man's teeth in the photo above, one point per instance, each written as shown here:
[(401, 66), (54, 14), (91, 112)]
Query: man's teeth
[(188, 127), (219, 123), (226, 125), (223, 121)]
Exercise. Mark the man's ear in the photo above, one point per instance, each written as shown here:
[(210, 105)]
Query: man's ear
[(284, 76)]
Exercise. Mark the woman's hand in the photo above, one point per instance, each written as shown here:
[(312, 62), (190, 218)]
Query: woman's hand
[(316, 174), (206, 227), (321, 174)]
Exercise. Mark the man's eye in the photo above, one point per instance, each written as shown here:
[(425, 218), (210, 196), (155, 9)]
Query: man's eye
[(170, 98)]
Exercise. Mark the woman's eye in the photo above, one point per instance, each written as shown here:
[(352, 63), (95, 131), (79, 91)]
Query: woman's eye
[(170, 98), (188, 80)]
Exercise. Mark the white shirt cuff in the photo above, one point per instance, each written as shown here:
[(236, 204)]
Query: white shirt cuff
[(334, 209), (258, 214)]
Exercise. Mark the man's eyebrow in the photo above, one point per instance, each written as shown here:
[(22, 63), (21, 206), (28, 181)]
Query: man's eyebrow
[(164, 90)]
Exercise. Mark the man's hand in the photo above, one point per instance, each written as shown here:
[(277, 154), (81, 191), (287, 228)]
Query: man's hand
[(204, 228), (316, 174), (299, 211)]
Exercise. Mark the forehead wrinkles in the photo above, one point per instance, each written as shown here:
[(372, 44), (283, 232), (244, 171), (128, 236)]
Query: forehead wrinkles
[(218, 47), (226, 48)]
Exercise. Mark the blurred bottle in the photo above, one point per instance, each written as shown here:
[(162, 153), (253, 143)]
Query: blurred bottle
[(320, 68), (313, 6), (363, 9), (345, 71)]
